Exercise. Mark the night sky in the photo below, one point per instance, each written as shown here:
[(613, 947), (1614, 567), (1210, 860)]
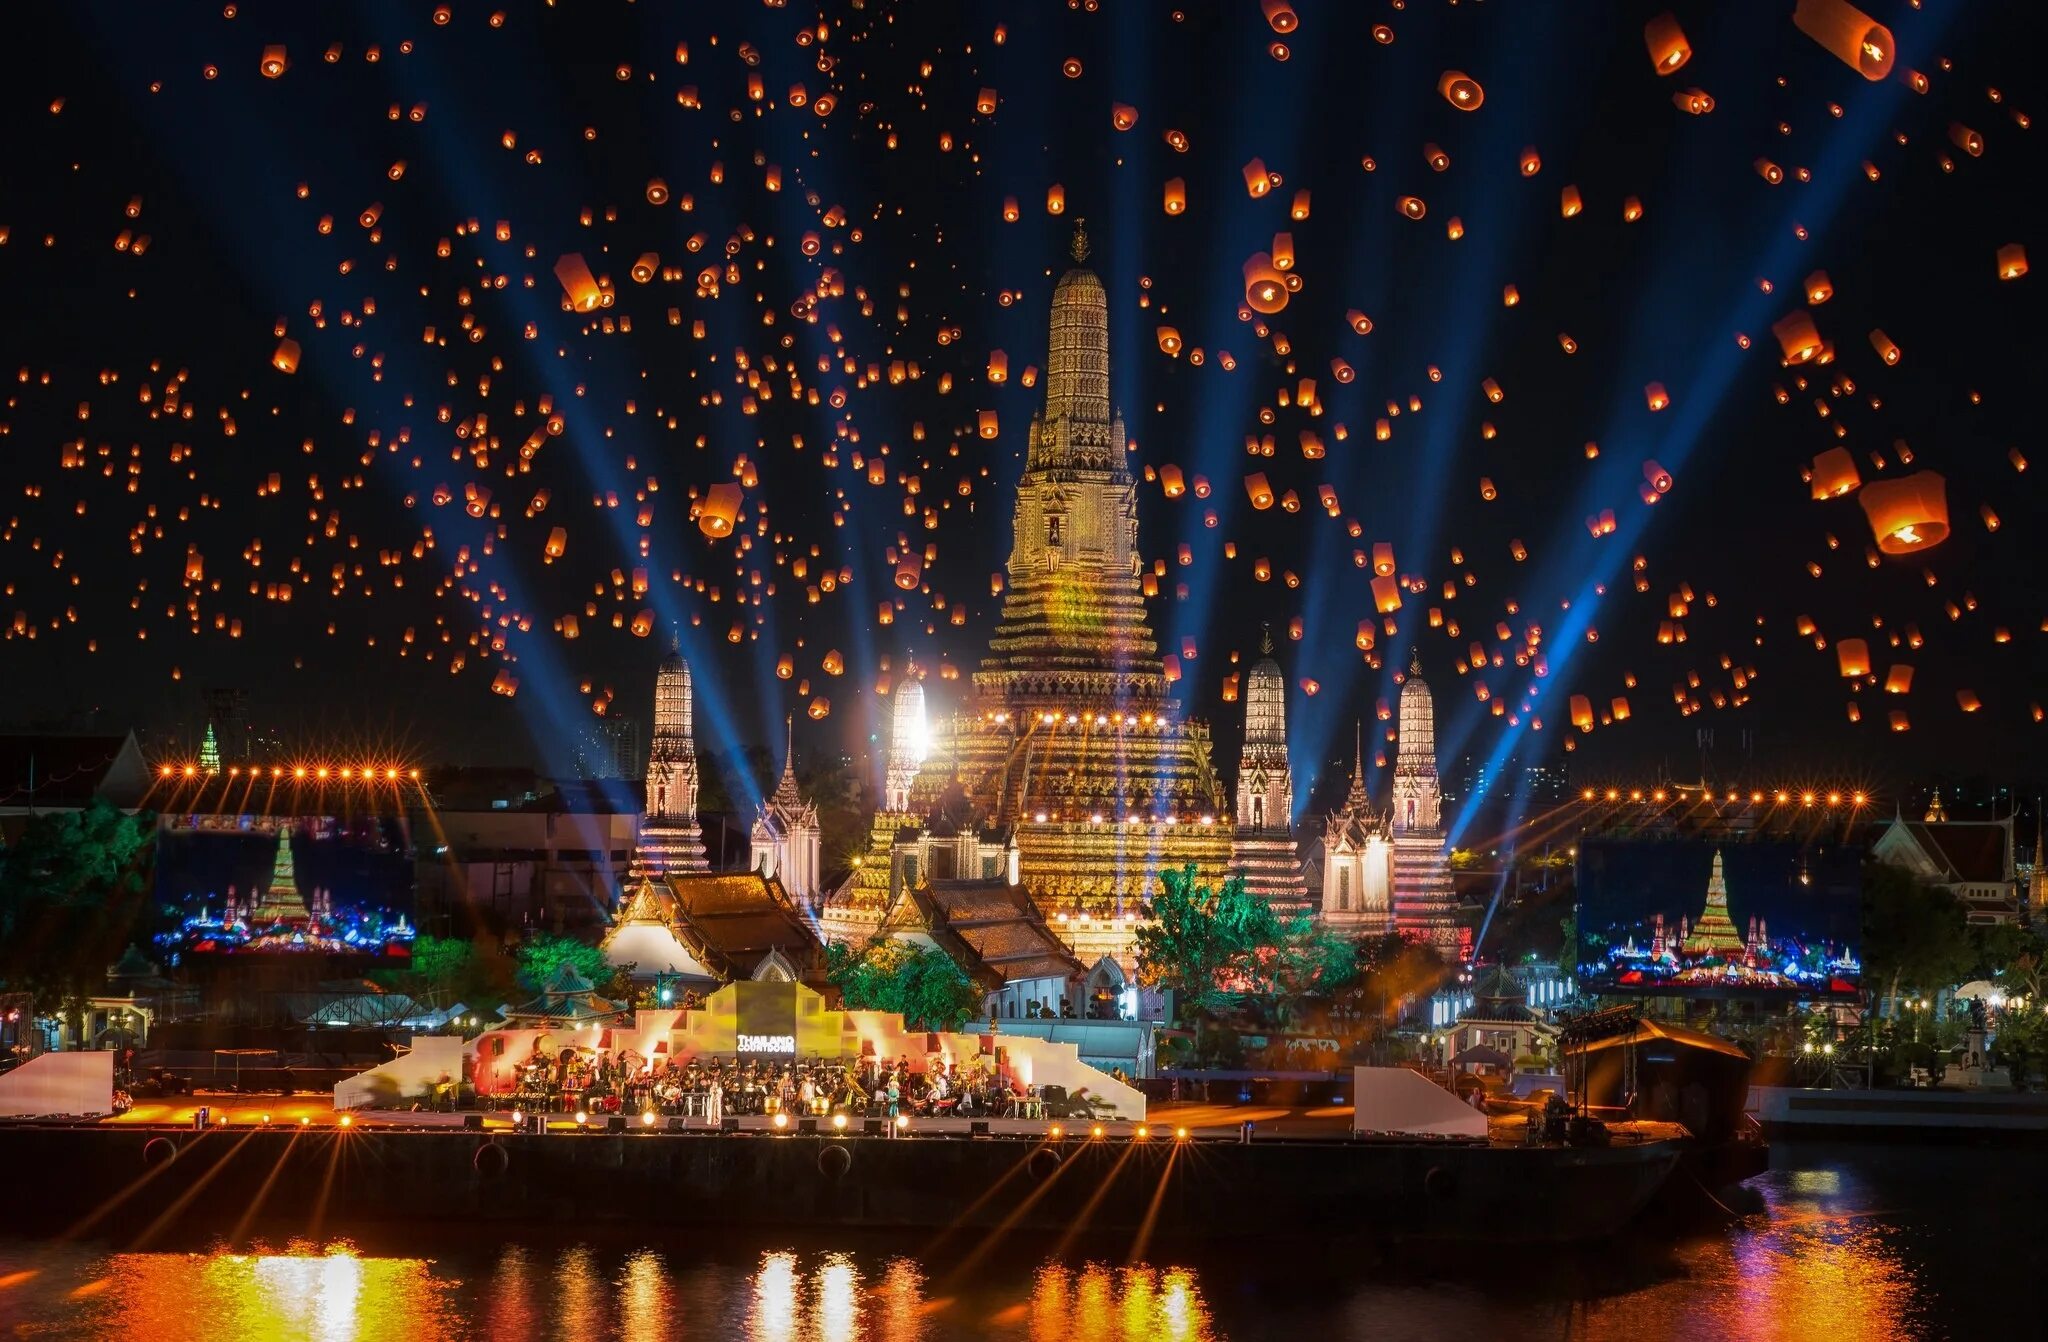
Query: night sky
[(903, 182)]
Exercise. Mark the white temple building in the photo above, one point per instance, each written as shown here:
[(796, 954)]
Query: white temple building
[(1358, 862), (670, 841), (784, 843)]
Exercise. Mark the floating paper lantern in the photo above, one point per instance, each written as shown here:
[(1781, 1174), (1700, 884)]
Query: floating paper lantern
[(1169, 340), (1257, 181), (1260, 492), (1885, 347), (819, 709), (1411, 207), (1176, 196), (286, 357), (1855, 38), (1055, 199), (1383, 558), (1965, 139), (274, 63), (909, 570), (2012, 261), (1797, 336), (1171, 480), (1265, 289), (1280, 15), (1853, 656), (985, 102), (1568, 202), (657, 191), (1461, 90), (719, 512), (1834, 474), (1582, 713), (1669, 51), (1899, 679), (558, 543), (985, 423), (1386, 595), (1532, 162), (1907, 514), (1123, 116), (1656, 397), (577, 283)]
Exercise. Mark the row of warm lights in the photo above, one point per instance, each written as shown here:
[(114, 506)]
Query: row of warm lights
[(1780, 797), (347, 773), (1045, 817), (1052, 719)]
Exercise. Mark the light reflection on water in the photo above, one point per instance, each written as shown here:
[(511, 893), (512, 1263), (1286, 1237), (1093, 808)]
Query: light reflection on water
[(1866, 1244)]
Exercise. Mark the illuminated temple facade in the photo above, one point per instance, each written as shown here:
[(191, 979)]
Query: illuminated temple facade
[(785, 841), (1358, 862), (1425, 906), (1071, 770), (1262, 846), (670, 842)]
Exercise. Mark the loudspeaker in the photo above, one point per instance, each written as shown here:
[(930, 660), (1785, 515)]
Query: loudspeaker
[(871, 1127), (473, 1122), (728, 1125), (807, 1125), (978, 1128), (616, 1123)]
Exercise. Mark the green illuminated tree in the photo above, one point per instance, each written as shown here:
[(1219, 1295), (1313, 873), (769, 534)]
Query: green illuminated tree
[(74, 891), (923, 984)]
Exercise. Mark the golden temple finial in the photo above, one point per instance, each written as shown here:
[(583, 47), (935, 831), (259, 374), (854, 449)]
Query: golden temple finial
[(1266, 640), (1414, 662), (1079, 246)]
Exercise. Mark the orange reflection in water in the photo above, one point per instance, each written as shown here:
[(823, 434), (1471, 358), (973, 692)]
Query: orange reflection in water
[(1099, 1302), (305, 1292)]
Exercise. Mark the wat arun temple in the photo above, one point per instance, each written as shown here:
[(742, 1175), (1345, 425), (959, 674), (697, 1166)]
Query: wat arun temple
[(1072, 769)]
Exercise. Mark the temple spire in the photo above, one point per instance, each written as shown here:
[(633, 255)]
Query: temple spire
[(1078, 248), (1414, 661), (1266, 640)]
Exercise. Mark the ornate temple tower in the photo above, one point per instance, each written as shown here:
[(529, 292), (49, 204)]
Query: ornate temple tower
[(1262, 847), (1071, 771), (1358, 861), (908, 737), (1425, 908), (784, 843), (669, 838)]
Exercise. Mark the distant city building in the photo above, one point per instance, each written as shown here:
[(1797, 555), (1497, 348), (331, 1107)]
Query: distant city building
[(670, 840), (1262, 845), (611, 747)]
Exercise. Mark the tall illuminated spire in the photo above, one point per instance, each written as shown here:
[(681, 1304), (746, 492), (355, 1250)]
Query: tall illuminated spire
[(669, 838)]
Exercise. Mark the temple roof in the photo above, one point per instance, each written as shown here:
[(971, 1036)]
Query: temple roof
[(729, 921), (992, 928)]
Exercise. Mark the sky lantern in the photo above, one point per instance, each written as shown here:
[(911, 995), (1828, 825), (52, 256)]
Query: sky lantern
[(1834, 474), (1569, 203), (657, 191), (1693, 102), (985, 423), (1383, 558), (286, 358), (274, 63), (1411, 207), (909, 570), (1798, 337), (1386, 595), (1010, 213), (1169, 340), (504, 683), (1283, 251), (1669, 51), (578, 283), (1819, 288), (558, 543), (1885, 347), (985, 102), (1265, 289), (1257, 181), (1280, 15), (1582, 713), (719, 512), (1055, 199), (820, 708), (1899, 679), (1657, 477), (1907, 514), (2012, 261), (1965, 139), (1532, 162), (1298, 211), (1176, 196), (998, 366), (1460, 90), (1853, 656), (1171, 480), (1859, 41), (1359, 322), (1769, 171), (1967, 701), (1123, 116), (1656, 397), (1260, 493)]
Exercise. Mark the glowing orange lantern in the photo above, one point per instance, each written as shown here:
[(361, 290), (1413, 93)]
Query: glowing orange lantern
[(1853, 656), (1669, 50), (286, 359), (1907, 514), (1834, 474), (720, 510), (1858, 40), (1461, 90)]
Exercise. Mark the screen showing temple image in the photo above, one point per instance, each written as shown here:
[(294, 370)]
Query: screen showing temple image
[(232, 883), (1720, 919)]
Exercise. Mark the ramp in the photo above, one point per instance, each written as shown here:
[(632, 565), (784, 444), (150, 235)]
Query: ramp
[(59, 1083), (1394, 1099)]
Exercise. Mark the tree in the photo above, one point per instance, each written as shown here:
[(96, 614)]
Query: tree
[(448, 970), (1914, 935), (922, 984), (74, 892), (543, 955), (1201, 941)]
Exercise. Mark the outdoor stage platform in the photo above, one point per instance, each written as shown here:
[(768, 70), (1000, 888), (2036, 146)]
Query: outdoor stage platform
[(132, 1181)]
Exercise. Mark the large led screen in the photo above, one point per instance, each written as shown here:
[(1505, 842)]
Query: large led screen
[(1719, 918)]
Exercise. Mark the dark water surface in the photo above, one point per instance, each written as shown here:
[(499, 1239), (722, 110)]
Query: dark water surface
[(1843, 1243)]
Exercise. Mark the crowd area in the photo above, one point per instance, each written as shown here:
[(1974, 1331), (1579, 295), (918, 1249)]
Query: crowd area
[(606, 1082)]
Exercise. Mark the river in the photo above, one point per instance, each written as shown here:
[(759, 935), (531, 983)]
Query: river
[(1834, 1242)]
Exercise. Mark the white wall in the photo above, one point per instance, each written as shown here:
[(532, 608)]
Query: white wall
[(404, 1080)]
